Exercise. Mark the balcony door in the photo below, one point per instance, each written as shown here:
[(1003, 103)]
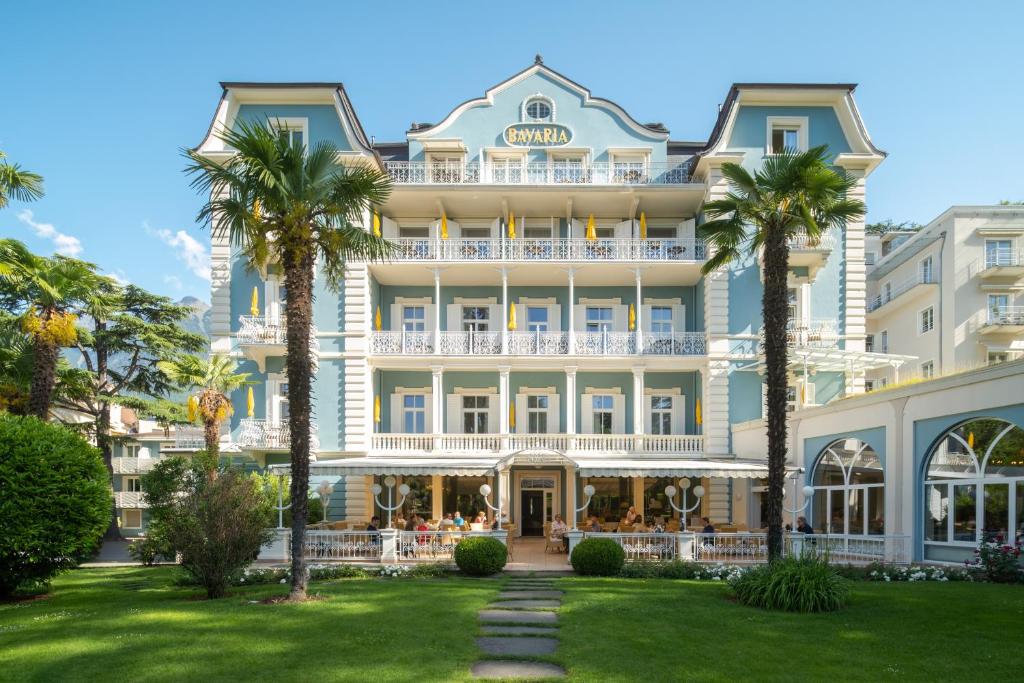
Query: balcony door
[(536, 501)]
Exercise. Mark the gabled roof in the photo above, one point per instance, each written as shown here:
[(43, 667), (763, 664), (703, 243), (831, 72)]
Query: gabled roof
[(656, 131)]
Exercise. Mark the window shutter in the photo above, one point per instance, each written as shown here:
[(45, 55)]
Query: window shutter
[(580, 317), (618, 414), (679, 318), (454, 229), (454, 318), (388, 228), (429, 311), (144, 452), (554, 317), (809, 388), (645, 317), (397, 425), (577, 229), (620, 318), (687, 229), (679, 414), (554, 415), (647, 414), (428, 413), (623, 230), (396, 318), (493, 416), (586, 414), (522, 417), (495, 323), (454, 411)]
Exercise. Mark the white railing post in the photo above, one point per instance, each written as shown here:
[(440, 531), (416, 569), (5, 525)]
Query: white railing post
[(389, 545), (575, 536), (687, 547)]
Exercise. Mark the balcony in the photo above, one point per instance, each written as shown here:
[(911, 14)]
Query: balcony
[(676, 444), (539, 343), (133, 465), (1003, 263), (535, 173), (545, 250), (266, 435), (1004, 320), (803, 253), (130, 499), (189, 438), (261, 337), (913, 286)]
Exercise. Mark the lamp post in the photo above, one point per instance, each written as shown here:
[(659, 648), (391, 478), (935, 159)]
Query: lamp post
[(588, 491), (281, 507), (324, 490), (808, 492), (684, 484), (389, 481), (485, 491)]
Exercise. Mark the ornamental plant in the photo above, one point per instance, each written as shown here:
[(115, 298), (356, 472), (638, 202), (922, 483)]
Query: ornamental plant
[(793, 584), (999, 561), (54, 505), (597, 557), (480, 555)]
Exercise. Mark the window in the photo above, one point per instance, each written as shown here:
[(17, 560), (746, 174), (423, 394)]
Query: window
[(133, 484), (612, 497), (418, 502), (537, 414), (661, 415), (445, 168), (849, 490), (462, 494), (927, 320), (132, 519), (786, 133), (414, 232), (413, 318), (974, 488), (785, 138), (476, 233), (538, 110), (869, 385), (869, 258), (604, 233), (869, 343), (791, 399), (884, 341), (282, 401), (792, 300), (414, 413), (130, 450), (599, 319), (291, 133), (537, 318), (661, 319), (998, 357), (998, 253), (569, 169), (474, 414), (998, 305), (475, 318), (661, 233), (927, 369), (925, 268), (537, 233), (602, 413), (886, 292)]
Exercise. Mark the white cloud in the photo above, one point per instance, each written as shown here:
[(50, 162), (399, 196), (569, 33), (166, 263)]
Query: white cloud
[(188, 249), (120, 277), (174, 281), (62, 244)]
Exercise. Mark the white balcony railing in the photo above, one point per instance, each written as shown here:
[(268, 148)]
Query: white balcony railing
[(1006, 315), (813, 334), (539, 343), (257, 434), (853, 549), (133, 465), (676, 444), (401, 343), (259, 330), (535, 173), (674, 343), (189, 437), (341, 545), (899, 289), (130, 499), (527, 250), (801, 242), (1002, 258), (470, 343), (605, 343)]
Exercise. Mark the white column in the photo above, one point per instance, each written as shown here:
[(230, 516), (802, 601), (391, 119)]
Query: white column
[(504, 494), (570, 404), (438, 402), (570, 495), (436, 494), (503, 406), (639, 306), (504, 310), (572, 312), (638, 408), (437, 311)]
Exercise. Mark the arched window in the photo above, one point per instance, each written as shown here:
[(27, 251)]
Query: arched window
[(538, 109), (849, 490), (974, 488)]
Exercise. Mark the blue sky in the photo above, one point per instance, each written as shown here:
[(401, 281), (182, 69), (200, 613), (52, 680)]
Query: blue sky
[(100, 97)]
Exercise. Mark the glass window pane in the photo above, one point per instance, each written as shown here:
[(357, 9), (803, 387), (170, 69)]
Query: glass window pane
[(936, 517), (836, 512), (1006, 458), (856, 498), (828, 471), (997, 512), (462, 495), (778, 140), (876, 510), (965, 513), (612, 498), (1019, 524)]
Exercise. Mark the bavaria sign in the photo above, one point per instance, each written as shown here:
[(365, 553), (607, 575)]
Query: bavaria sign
[(537, 135)]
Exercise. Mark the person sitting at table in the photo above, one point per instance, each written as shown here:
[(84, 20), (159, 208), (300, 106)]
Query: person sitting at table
[(398, 522), (708, 528), (639, 526), (447, 521), (480, 518), (421, 525), (803, 527), (631, 515), (559, 529), (595, 526), (459, 521), (410, 524), (374, 524)]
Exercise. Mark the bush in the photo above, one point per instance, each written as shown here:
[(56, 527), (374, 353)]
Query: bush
[(147, 551), (55, 501), (217, 526), (598, 557), (999, 562), (793, 584), (480, 555), (430, 570)]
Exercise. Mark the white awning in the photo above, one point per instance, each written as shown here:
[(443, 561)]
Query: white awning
[(603, 467), (834, 360), (452, 466)]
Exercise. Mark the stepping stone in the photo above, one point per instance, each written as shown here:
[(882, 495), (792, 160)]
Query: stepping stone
[(518, 630), (527, 604), (538, 584), (524, 647), (511, 669), (512, 616), (530, 595)]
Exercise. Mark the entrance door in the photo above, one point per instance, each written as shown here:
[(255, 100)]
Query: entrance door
[(533, 513)]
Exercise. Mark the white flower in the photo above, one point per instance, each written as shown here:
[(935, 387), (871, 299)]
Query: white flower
[(284, 581)]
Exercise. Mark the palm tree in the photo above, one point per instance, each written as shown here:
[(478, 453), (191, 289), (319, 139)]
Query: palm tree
[(277, 200), (25, 186), (793, 193), (49, 291), (213, 380)]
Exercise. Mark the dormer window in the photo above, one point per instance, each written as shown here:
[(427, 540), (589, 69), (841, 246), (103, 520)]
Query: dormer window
[(292, 130), (538, 109), (787, 133)]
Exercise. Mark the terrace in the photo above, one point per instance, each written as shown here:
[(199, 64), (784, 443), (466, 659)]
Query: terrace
[(536, 173)]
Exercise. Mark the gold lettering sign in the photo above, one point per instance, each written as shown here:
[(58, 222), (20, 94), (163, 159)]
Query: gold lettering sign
[(537, 135)]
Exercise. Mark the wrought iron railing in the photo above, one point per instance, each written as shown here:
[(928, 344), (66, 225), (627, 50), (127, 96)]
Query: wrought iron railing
[(536, 173), (803, 242), (568, 249), (260, 330), (342, 545), (676, 444), (258, 434), (539, 343)]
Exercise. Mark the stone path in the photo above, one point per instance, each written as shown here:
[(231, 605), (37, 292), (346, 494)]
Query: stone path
[(521, 624)]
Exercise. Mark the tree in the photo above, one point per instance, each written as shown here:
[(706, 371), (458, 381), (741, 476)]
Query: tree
[(889, 225), (794, 192), (55, 503), (25, 186), (16, 363), (276, 200), (47, 292), (214, 380)]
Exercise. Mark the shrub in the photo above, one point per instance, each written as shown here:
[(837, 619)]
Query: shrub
[(597, 557), (480, 555), (793, 584), (147, 551), (999, 562), (217, 526), (429, 570), (55, 501)]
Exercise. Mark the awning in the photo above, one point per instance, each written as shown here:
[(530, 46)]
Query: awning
[(737, 469), (452, 466), (834, 360)]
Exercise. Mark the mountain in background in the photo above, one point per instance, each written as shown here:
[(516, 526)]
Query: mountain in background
[(199, 321)]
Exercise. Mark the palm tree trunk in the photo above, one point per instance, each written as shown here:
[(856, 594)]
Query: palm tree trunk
[(298, 269), (211, 435), (44, 376), (775, 310)]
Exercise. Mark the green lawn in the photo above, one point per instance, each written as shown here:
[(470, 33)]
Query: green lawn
[(133, 624)]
